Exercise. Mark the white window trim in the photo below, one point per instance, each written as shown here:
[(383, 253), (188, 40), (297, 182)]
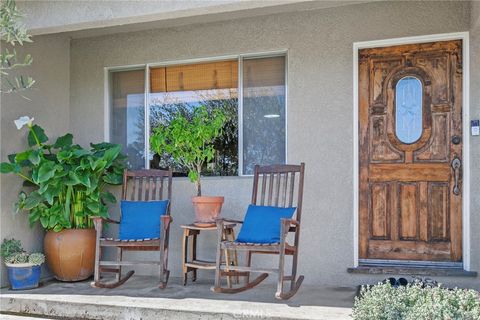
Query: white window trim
[(146, 67), (464, 36)]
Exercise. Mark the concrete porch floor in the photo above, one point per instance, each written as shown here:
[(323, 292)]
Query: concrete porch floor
[(139, 298)]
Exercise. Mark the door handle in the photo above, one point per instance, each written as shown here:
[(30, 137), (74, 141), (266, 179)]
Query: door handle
[(456, 164)]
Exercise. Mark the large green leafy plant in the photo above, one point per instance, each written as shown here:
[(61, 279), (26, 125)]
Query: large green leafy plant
[(190, 141), (68, 181)]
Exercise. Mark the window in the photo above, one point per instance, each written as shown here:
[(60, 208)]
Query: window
[(408, 110), (128, 114), (250, 90)]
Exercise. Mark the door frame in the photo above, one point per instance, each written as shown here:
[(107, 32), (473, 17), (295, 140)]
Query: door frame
[(464, 36)]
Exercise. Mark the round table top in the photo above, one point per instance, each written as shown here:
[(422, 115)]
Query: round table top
[(193, 226)]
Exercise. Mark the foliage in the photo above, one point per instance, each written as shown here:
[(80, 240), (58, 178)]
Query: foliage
[(12, 252), (190, 141), (12, 33), (9, 247), (225, 162), (415, 302), (68, 181)]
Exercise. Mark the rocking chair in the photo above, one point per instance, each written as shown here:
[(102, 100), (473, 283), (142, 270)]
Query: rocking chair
[(274, 187), (146, 186)]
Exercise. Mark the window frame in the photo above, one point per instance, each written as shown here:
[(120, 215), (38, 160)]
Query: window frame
[(146, 67)]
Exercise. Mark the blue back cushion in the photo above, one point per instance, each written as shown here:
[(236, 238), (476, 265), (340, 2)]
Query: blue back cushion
[(141, 219), (262, 224)]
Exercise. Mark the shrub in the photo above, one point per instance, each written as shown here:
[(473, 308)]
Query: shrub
[(415, 302)]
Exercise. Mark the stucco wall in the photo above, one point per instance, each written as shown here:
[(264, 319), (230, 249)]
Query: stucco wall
[(475, 140), (49, 105), (320, 113)]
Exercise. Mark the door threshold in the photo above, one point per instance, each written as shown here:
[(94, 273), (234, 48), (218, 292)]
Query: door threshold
[(412, 270), (410, 263)]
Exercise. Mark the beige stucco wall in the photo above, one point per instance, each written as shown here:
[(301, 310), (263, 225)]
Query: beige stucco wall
[(49, 105), (320, 113), (52, 16), (475, 141)]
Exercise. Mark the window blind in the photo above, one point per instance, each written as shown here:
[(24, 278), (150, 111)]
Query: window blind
[(191, 77)]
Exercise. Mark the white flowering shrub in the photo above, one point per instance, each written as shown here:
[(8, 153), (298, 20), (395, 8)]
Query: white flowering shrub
[(415, 302)]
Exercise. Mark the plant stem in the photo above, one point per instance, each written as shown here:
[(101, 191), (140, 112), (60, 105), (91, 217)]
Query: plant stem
[(25, 177), (35, 136)]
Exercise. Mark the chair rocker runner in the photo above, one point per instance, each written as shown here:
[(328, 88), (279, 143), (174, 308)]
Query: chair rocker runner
[(140, 187), (276, 188)]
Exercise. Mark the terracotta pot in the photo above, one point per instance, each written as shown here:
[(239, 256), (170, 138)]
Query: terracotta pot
[(70, 253), (207, 209)]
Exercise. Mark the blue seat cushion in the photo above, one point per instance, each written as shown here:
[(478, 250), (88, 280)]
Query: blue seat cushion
[(141, 219), (262, 224)]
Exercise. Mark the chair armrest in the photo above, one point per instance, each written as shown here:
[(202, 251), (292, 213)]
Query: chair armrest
[(291, 222), (166, 221), (289, 225)]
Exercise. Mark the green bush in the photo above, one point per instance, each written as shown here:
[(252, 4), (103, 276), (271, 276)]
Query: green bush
[(414, 302)]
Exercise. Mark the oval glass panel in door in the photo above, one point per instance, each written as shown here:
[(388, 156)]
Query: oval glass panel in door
[(408, 109)]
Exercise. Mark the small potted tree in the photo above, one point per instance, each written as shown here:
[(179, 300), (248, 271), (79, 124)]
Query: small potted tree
[(23, 268), (189, 141), (65, 187)]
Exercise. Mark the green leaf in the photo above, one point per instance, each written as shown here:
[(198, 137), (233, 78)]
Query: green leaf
[(22, 156), (11, 157), (44, 221), (84, 179), (6, 167), (94, 207), (32, 201), (112, 153), (39, 132), (113, 178), (108, 197), (72, 179), (64, 155), (64, 141), (34, 157), (46, 171)]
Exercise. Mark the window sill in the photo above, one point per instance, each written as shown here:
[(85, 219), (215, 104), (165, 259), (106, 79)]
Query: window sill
[(417, 271)]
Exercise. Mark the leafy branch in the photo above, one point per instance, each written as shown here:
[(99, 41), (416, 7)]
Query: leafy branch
[(13, 33)]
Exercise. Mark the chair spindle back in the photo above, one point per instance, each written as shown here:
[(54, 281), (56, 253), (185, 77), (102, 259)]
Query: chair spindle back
[(279, 186), (147, 185)]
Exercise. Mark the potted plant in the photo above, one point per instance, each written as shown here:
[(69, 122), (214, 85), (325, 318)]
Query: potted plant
[(23, 268), (67, 188), (189, 141)]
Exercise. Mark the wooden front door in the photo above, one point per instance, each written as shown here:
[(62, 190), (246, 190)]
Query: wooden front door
[(410, 144)]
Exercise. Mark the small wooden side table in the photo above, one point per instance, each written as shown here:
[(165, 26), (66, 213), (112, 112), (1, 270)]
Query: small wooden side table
[(190, 263)]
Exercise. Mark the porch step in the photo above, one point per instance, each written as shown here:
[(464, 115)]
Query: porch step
[(116, 308), (140, 298)]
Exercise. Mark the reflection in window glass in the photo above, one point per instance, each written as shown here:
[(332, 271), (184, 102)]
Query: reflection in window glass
[(127, 107), (263, 112), (408, 109), (182, 88), (164, 106)]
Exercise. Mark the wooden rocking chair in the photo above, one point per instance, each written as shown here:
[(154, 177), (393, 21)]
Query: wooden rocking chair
[(140, 185), (277, 188)]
